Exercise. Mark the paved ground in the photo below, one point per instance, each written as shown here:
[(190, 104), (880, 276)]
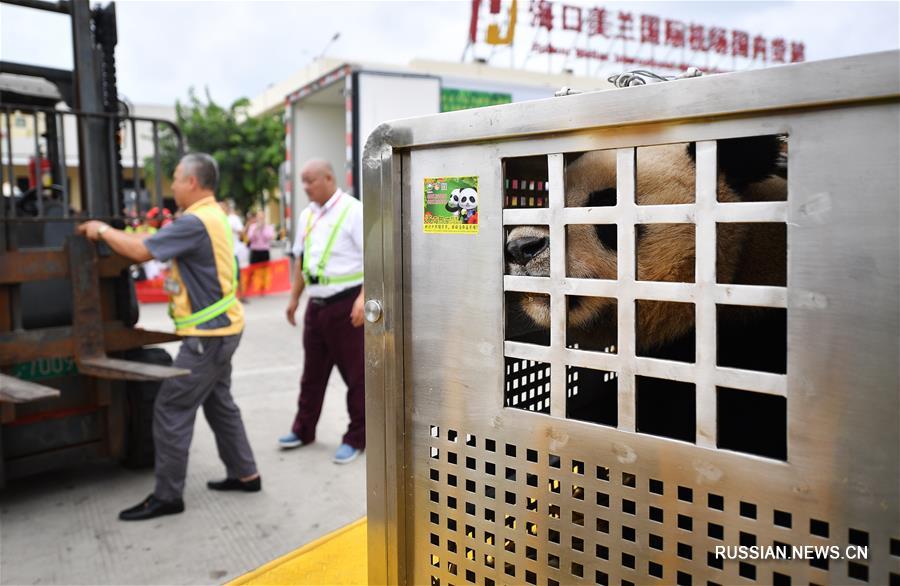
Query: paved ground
[(61, 528)]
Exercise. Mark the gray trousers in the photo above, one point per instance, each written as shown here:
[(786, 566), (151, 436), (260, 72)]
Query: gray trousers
[(209, 385)]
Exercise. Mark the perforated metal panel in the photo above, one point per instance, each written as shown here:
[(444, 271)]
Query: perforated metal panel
[(500, 456)]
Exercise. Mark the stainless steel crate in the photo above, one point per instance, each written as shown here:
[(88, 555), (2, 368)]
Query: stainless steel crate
[(477, 474)]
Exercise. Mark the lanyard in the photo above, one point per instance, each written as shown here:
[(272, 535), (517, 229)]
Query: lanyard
[(324, 211)]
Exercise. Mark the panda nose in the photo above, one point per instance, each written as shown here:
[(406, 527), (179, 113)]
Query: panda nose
[(522, 250)]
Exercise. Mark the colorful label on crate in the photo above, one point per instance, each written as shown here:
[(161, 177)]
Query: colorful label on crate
[(451, 205)]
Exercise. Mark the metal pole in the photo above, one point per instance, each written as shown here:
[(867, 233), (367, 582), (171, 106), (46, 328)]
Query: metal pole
[(112, 125), (63, 169), (38, 176), (4, 202), (12, 241), (180, 142), (134, 158), (60, 7), (12, 173), (157, 167), (282, 175)]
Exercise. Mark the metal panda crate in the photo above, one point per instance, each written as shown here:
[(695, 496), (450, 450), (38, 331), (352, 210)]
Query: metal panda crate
[(477, 474)]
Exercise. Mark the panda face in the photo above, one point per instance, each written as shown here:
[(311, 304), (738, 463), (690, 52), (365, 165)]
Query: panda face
[(453, 201), (665, 252), (466, 198)]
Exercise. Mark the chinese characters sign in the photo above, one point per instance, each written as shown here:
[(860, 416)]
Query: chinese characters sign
[(572, 34)]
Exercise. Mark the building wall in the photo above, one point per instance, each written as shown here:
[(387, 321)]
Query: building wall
[(524, 85), (271, 100)]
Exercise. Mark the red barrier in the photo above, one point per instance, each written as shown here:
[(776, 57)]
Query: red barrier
[(263, 278), (151, 291), (260, 278)]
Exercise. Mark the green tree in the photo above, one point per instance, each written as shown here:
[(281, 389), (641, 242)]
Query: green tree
[(249, 150)]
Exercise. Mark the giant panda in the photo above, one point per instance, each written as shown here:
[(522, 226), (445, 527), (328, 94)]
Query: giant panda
[(749, 169)]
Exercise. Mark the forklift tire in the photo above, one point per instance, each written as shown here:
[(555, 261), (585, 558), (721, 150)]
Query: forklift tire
[(139, 398)]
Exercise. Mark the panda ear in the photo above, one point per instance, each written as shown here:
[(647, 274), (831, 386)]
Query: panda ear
[(746, 160)]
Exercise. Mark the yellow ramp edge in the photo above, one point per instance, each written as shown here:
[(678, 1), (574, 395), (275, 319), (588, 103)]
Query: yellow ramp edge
[(335, 559)]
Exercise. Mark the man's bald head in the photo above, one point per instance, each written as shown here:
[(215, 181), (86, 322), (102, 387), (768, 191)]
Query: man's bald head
[(320, 166), (318, 180)]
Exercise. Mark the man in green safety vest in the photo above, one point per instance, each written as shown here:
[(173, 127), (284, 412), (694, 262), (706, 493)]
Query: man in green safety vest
[(329, 251), (201, 285)]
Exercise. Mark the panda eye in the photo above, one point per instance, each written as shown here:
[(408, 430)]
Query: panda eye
[(606, 233), (602, 198)]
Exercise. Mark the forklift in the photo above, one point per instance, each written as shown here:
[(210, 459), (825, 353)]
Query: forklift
[(77, 378)]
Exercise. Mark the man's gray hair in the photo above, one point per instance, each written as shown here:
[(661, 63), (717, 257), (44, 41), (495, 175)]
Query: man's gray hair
[(203, 167)]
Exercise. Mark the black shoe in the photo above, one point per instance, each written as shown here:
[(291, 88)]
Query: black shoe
[(254, 485), (152, 507)]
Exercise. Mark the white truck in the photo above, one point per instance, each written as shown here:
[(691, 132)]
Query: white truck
[(331, 116)]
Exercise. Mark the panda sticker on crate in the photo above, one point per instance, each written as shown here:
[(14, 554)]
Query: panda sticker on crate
[(451, 205), (750, 169)]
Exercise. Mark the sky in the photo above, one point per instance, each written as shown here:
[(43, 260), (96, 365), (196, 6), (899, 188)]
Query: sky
[(238, 49)]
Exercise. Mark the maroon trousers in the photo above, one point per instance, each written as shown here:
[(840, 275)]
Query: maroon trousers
[(329, 339)]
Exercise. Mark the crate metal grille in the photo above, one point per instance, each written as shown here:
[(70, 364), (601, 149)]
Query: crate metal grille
[(493, 519), (705, 292), (527, 385)]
